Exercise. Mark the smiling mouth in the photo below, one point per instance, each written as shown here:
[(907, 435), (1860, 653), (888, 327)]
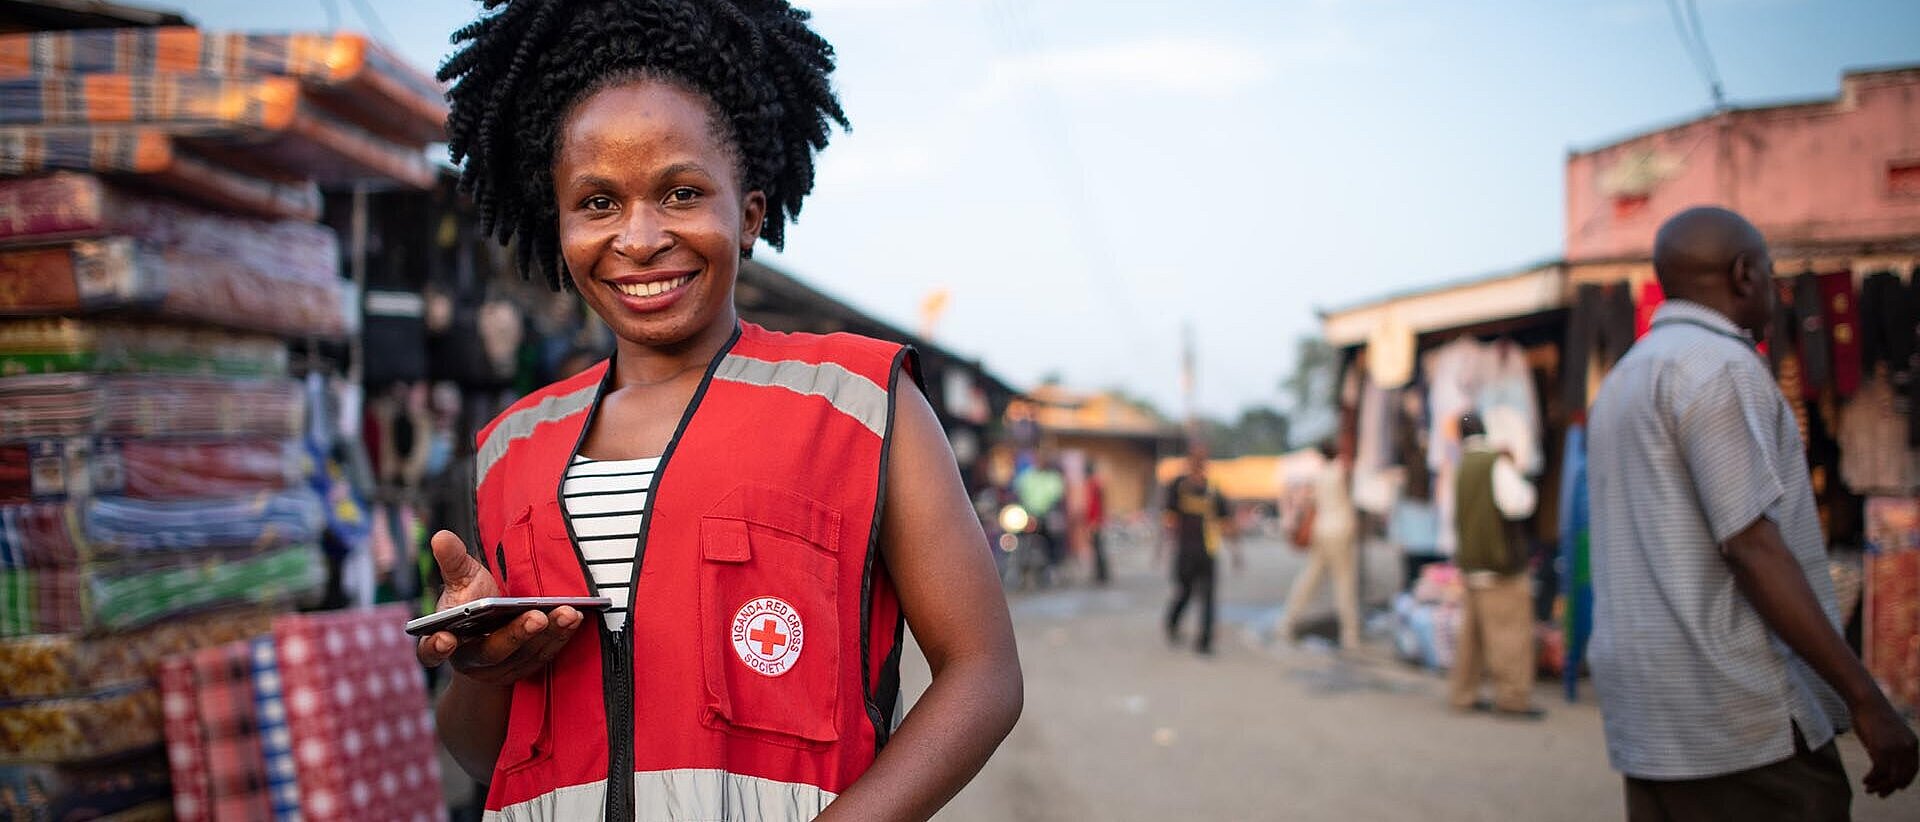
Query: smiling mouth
[(653, 289)]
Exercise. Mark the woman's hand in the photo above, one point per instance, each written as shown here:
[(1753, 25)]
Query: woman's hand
[(509, 654)]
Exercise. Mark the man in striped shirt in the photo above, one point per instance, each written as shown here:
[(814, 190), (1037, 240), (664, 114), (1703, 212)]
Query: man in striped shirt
[(1722, 675)]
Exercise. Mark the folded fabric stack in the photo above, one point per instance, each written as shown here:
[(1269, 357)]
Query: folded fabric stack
[(123, 790), (336, 108), (1427, 618), (159, 192), (324, 719), (75, 243)]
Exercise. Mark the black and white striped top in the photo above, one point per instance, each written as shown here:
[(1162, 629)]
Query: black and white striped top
[(606, 501)]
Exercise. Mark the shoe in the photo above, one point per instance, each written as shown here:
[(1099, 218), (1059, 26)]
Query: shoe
[(1203, 649), (1526, 715)]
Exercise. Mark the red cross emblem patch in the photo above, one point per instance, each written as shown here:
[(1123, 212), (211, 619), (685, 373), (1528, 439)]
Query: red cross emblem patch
[(768, 635)]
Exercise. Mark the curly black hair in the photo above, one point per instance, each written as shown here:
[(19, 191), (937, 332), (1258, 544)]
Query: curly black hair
[(526, 63)]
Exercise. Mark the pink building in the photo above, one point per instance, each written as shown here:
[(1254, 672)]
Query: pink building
[(1831, 178)]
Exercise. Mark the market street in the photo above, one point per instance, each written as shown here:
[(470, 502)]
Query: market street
[(1120, 727)]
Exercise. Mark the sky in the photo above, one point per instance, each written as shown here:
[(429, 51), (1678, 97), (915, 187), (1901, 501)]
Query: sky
[(1085, 178)]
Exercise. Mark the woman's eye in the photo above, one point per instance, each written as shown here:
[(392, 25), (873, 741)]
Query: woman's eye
[(682, 194), (597, 203)]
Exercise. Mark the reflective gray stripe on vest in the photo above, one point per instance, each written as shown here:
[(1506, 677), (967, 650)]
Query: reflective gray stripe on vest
[(520, 424), (686, 793), (850, 393)]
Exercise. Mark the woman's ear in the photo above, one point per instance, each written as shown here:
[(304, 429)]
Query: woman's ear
[(753, 215)]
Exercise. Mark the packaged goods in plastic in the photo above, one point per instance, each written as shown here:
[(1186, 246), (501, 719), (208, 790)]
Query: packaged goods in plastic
[(264, 119), (45, 471), (69, 405), (94, 791), (116, 596), (80, 728), (59, 664), (122, 273), (71, 205), (348, 72), (152, 159), (55, 345), (121, 526)]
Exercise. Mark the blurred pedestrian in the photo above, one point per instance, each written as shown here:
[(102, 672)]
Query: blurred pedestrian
[(1331, 550), (1042, 491), (1716, 649), (803, 506), (1496, 631), (1095, 521), (1197, 520)]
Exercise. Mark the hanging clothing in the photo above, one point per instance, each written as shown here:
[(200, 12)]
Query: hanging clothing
[(1842, 315), (1577, 581), (1874, 457), (1887, 321), (1651, 296), (1510, 407), (1784, 340), (1816, 352)]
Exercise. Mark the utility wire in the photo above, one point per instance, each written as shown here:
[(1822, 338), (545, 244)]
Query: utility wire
[(1693, 38), (1054, 138), (332, 7), (373, 21)]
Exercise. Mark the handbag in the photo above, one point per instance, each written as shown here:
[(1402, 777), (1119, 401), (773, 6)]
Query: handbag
[(1302, 534)]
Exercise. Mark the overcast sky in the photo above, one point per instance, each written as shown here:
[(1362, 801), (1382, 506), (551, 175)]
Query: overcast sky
[(1085, 176)]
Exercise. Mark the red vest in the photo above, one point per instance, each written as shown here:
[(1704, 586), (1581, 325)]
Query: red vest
[(758, 674)]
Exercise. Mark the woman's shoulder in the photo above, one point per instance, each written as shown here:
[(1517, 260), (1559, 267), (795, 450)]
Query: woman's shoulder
[(562, 398), (867, 356)]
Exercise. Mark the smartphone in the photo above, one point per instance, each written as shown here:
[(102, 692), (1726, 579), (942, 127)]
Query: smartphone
[(484, 616)]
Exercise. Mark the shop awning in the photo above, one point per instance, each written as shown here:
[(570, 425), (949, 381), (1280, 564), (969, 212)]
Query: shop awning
[(1501, 296)]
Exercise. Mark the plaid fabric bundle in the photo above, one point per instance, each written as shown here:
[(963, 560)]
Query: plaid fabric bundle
[(119, 596), (159, 469), (357, 707), (36, 536), (236, 764), (118, 524), (153, 154), (276, 738), (119, 272), (186, 747), (56, 345), (68, 405), (348, 70), (71, 205), (183, 103)]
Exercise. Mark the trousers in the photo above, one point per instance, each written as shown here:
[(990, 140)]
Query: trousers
[(1496, 636)]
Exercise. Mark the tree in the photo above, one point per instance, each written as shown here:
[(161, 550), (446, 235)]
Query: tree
[(1262, 430), (1310, 393)]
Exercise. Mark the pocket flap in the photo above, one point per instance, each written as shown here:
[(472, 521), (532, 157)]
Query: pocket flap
[(725, 540), (779, 509)]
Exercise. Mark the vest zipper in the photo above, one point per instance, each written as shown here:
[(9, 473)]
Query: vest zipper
[(619, 694), (618, 670)]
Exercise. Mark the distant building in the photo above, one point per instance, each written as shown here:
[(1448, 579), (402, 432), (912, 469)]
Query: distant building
[(1123, 438), (1834, 183)]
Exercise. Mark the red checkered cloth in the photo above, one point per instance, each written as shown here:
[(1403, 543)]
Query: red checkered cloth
[(186, 746), (357, 708), (236, 763)]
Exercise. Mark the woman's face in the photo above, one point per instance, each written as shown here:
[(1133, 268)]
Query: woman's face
[(653, 221)]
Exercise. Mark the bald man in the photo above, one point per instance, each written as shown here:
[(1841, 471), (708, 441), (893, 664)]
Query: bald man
[(1716, 649)]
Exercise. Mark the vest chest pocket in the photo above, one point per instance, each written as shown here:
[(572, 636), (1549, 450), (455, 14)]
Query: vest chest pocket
[(769, 616), (536, 557)]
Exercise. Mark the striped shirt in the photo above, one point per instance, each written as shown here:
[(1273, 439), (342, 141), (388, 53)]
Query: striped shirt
[(606, 503), (1692, 443)]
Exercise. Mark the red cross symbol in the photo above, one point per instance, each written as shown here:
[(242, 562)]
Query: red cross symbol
[(769, 637)]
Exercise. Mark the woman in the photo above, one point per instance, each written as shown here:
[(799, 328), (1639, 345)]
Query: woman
[(767, 511)]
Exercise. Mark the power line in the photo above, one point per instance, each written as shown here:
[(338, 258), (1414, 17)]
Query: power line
[(373, 21), (332, 8), (1693, 37)]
